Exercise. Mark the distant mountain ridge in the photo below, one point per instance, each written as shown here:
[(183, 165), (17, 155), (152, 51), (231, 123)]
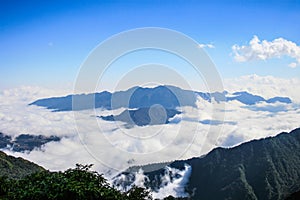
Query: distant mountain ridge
[(259, 169), (170, 97), (25, 142)]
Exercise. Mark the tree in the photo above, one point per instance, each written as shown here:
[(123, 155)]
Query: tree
[(76, 184), (138, 193)]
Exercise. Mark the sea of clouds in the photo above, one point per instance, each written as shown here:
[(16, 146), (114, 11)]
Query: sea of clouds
[(112, 147)]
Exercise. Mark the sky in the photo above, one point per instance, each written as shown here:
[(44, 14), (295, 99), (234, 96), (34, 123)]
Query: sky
[(44, 43), (254, 46)]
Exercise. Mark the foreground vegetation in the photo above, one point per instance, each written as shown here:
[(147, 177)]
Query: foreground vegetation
[(79, 183)]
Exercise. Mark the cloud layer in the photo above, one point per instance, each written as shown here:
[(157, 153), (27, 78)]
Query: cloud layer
[(263, 50), (110, 145)]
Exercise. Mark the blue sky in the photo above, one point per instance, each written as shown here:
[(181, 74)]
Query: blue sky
[(45, 42)]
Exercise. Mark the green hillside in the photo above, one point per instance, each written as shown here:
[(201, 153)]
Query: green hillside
[(16, 168), (260, 169)]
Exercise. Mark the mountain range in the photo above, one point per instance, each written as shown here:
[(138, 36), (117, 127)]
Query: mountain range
[(260, 169), (150, 106), (169, 97)]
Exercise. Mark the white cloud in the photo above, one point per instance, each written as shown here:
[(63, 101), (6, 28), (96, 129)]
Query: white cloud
[(293, 65), (266, 86), (210, 46), (263, 50), (174, 182)]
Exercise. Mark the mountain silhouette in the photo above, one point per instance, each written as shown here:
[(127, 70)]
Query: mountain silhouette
[(169, 97)]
